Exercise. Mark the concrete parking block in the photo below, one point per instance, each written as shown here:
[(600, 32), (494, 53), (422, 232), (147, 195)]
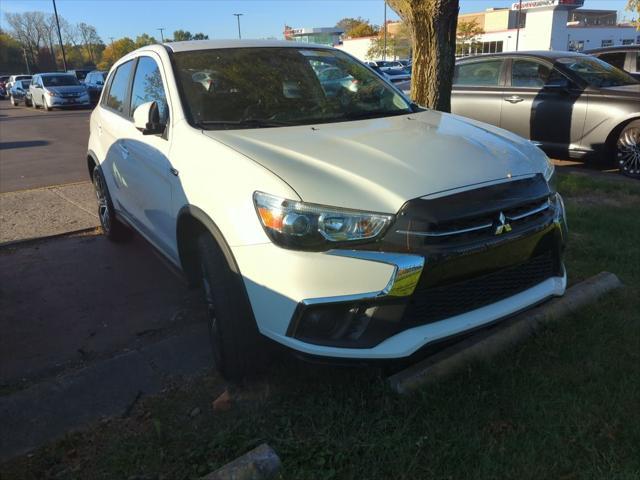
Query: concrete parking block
[(45, 212)]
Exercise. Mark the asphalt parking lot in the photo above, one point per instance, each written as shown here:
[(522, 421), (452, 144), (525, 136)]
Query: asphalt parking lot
[(39, 148)]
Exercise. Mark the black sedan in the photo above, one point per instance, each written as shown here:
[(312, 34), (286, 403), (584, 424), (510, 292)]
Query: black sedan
[(19, 93), (565, 102), (94, 81)]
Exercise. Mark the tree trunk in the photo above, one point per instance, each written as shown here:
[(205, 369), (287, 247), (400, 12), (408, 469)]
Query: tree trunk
[(433, 27)]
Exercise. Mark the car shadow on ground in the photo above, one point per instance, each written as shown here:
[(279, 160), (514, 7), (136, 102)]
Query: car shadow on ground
[(73, 300)]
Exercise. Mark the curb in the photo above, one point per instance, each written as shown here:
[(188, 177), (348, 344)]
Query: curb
[(261, 463), (29, 241), (485, 345)]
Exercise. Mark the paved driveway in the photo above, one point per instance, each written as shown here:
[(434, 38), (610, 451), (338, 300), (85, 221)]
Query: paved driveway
[(39, 148)]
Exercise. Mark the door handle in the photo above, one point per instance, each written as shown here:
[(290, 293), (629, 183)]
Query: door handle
[(514, 99)]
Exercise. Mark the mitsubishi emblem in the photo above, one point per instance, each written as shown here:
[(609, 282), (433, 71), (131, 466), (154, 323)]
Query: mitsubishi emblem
[(502, 226)]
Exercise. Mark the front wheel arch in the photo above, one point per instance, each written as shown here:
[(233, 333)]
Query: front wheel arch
[(191, 222)]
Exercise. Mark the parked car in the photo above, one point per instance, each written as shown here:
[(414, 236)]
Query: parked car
[(94, 81), (14, 78), (384, 64), (625, 57), (57, 90), (354, 227), (397, 75), (565, 102), (18, 93), (80, 73), (4, 91)]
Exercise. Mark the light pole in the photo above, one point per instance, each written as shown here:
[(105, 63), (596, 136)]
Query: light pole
[(238, 15), (161, 34), (64, 57), (384, 52), (518, 17)]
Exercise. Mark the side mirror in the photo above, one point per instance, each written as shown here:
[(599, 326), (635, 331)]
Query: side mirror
[(146, 118), (557, 84)]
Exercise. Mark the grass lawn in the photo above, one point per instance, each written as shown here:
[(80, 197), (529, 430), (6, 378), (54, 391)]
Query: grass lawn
[(565, 405)]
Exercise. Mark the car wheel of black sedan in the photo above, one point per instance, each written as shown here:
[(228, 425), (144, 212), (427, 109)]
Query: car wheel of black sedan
[(628, 150)]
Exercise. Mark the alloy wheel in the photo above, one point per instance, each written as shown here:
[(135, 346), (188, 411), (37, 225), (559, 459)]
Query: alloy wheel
[(103, 202), (629, 152)]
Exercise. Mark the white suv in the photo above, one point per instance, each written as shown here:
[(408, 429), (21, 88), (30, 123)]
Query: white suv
[(337, 220)]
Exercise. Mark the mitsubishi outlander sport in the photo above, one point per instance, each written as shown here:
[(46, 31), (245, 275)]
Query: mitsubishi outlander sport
[(337, 218)]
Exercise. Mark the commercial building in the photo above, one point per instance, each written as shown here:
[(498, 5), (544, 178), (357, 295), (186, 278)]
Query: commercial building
[(546, 25), (543, 25), (324, 35)]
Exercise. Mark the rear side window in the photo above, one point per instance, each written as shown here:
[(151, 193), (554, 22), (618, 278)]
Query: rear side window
[(116, 99), (529, 74), (481, 74), (147, 87), (614, 58)]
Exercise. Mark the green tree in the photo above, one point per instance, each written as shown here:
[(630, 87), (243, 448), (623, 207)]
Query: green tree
[(200, 36), (432, 25), (144, 40), (357, 27), (11, 55), (116, 50), (398, 45), (634, 7), (181, 35), (467, 33)]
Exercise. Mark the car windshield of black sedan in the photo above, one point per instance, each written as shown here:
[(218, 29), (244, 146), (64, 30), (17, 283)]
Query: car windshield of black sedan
[(268, 87), (60, 80), (596, 72)]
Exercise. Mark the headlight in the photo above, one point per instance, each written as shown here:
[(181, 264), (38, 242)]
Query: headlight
[(52, 94), (550, 175), (307, 226)]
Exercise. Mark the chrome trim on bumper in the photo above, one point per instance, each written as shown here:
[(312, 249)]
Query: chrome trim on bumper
[(406, 274)]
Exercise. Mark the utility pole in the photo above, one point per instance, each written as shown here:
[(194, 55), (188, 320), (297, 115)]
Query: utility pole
[(26, 60), (518, 21), (384, 52), (64, 57), (238, 15), (161, 34)]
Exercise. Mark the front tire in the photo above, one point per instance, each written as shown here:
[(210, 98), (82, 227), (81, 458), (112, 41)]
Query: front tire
[(627, 150), (238, 348), (46, 105), (112, 228), (13, 101)]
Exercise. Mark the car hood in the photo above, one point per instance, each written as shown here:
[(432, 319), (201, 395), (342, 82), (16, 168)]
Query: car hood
[(67, 89), (379, 164)]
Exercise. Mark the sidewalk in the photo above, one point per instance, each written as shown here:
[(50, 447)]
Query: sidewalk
[(45, 212)]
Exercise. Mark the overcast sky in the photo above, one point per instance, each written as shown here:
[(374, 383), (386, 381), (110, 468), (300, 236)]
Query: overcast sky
[(261, 19)]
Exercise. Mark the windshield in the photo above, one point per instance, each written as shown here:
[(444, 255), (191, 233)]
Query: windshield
[(268, 87), (596, 72), (60, 80)]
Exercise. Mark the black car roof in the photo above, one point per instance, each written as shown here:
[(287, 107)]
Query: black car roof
[(619, 48), (546, 54)]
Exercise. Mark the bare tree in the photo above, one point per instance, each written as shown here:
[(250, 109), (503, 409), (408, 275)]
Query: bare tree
[(27, 29), (432, 24), (90, 39)]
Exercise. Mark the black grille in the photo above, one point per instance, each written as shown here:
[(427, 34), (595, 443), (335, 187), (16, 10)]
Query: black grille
[(430, 304)]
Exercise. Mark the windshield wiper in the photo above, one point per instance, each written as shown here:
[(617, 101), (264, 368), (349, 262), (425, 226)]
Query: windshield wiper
[(245, 122)]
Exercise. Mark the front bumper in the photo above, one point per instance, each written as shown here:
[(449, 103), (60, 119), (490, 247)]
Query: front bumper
[(69, 102), (281, 284)]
